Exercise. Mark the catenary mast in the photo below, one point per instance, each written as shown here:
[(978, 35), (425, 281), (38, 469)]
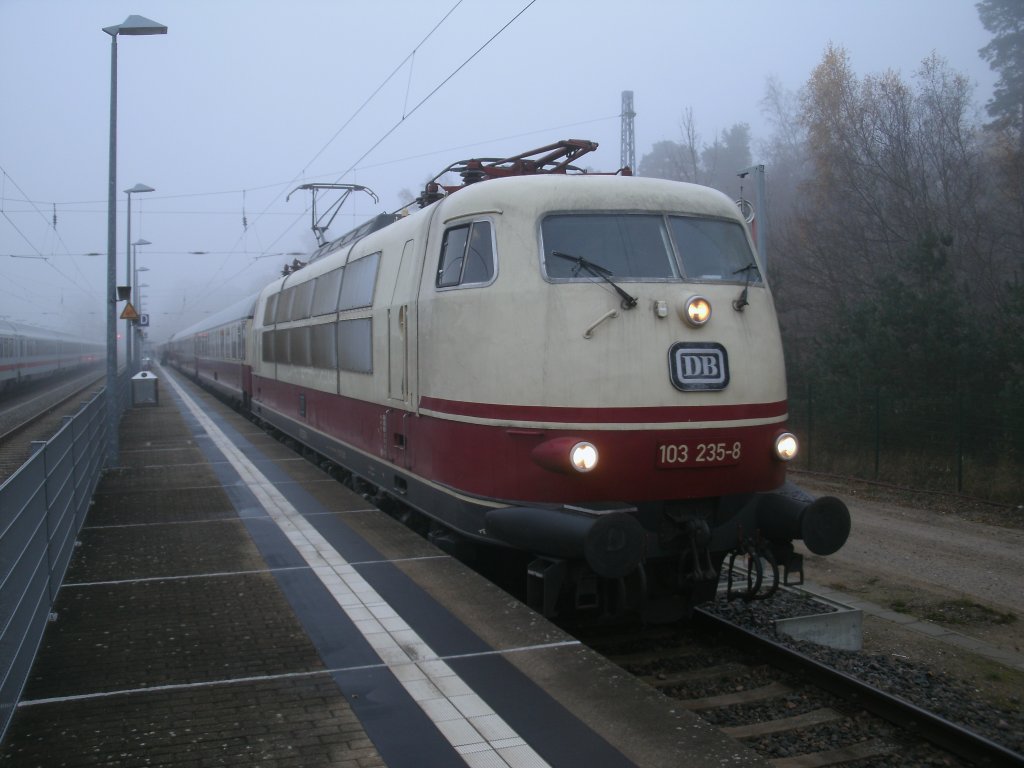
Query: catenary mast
[(628, 154)]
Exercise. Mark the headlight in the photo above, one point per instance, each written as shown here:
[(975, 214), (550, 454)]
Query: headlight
[(698, 311), (567, 454), (583, 457), (786, 446)]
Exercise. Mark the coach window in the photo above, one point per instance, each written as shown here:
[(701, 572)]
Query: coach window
[(284, 305), (298, 346), (282, 352), (355, 345), (325, 295), (325, 350), (270, 311), (360, 280), (302, 300), (467, 256), (267, 341)]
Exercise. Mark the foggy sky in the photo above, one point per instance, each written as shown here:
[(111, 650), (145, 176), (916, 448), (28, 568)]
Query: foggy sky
[(243, 100)]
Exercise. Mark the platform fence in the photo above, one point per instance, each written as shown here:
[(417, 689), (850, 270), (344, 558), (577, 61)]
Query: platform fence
[(42, 508)]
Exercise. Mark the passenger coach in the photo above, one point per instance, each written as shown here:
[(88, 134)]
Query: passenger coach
[(28, 352), (214, 351)]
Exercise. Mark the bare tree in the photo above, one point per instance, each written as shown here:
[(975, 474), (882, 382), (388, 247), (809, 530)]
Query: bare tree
[(714, 164)]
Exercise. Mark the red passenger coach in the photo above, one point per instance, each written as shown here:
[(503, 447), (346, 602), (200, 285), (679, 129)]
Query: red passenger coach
[(213, 351), (584, 368)]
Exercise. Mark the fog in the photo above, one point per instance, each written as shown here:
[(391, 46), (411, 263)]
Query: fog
[(244, 100)]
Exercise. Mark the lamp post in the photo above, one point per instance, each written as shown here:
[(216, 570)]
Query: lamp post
[(129, 345), (136, 329), (133, 25), (138, 299), (140, 348)]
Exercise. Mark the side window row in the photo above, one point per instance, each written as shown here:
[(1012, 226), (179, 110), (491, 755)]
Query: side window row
[(224, 343), (467, 256), (349, 287), (346, 344)]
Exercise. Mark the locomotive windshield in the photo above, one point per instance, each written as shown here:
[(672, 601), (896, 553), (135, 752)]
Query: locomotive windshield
[(648, 247)]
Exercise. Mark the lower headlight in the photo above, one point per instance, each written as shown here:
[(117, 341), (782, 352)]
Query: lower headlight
[(786, 446), (583, 457)]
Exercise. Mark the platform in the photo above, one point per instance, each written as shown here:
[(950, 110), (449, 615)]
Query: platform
[(231, 604)]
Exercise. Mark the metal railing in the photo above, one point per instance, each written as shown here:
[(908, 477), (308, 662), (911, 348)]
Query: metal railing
[(948, 442), (42, 508)]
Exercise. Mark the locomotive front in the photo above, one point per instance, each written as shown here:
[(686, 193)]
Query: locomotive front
[(618, 384)]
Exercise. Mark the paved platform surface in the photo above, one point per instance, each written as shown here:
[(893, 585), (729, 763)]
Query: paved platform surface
[(231, 604)]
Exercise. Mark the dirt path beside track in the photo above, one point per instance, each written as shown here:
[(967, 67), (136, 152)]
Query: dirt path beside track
[(952, 562)]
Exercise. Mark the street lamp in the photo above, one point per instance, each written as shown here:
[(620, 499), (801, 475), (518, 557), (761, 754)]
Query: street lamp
[(140, 329), (129, 354), (134, 357), (133, 25)]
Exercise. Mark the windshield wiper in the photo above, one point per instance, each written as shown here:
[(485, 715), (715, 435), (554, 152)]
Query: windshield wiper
[(740, 303), (751, 267), (628, 302)]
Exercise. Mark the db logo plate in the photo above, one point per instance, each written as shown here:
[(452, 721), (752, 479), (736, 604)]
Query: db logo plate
[(698, 366)]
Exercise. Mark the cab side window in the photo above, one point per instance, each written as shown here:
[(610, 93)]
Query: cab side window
[(467, 256)]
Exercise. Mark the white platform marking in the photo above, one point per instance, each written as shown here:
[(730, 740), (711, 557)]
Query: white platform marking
[(477, 733)]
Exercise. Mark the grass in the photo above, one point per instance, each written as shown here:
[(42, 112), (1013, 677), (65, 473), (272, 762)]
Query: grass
[(957, 612), (966, 612)]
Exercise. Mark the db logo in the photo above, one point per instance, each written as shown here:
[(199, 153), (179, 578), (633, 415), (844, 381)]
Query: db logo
[(698, 365)]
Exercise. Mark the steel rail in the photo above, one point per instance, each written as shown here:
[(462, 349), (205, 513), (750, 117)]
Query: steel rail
[(35, 415), (935, 729)]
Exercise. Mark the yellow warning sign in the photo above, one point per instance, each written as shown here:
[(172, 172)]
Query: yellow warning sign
[(129, 312)]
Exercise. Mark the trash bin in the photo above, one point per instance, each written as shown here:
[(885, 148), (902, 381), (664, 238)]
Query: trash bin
[(145, 389)]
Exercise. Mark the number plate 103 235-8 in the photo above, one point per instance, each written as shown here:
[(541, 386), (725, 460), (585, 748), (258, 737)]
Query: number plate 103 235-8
[(696, 453)]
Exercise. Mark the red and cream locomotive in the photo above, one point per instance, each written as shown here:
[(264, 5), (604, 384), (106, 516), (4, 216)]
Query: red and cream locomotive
[(580, 367)]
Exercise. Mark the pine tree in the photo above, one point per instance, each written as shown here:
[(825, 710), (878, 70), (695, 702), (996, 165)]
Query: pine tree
[(1005, 54)]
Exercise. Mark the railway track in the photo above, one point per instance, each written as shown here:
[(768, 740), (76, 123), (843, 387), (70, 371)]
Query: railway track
[(37, 414), (794, 710)]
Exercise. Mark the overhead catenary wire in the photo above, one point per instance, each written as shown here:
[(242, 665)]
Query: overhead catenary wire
[(250, 228), (36, 250), (390, 131), (322, 150), (151, 199), (437, 88), (405, 114), (357, 112), (260, 251)]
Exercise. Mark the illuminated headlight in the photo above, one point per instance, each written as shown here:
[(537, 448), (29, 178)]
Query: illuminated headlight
[(583, 457), (786, 446), (698, 311)]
